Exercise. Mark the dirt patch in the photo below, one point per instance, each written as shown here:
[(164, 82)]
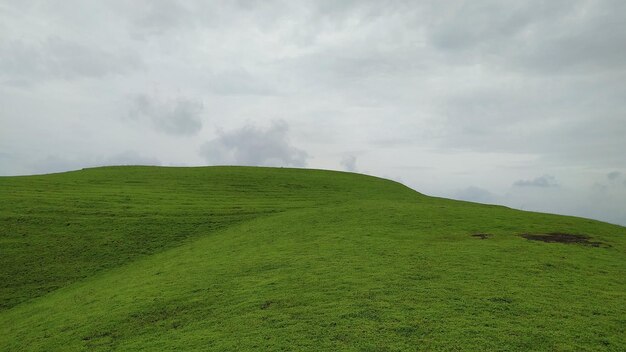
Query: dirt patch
[(482, 236), (266, 304), (558, 237)]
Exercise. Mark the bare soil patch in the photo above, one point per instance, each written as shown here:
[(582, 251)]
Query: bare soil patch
[(558, 237), (266, 304), (482, 236)]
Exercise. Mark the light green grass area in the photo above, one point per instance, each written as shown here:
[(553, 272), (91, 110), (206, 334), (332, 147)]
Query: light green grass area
[(270, 259)]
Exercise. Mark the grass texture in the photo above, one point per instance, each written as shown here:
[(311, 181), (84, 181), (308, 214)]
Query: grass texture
[(273, 259)]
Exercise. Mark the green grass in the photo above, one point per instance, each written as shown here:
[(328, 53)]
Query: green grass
[(257, 259)]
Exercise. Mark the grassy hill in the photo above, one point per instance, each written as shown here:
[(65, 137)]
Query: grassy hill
[(258, 259)]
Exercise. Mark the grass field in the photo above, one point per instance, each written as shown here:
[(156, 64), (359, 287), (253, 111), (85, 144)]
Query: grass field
[(271, 259)]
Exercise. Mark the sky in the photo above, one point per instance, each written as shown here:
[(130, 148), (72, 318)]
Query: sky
[(515, 103)]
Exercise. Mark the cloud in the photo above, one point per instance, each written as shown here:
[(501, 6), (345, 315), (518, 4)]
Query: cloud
[(475, 194), (7, 164), (476, 91), (155, 17), (581, 40), (237, 82), (250, 145), (517, 115), (53, 163), (534, 36), (597, 201), (533, 73), (56, 58), (613, 175), (130, 158), (349, 163), (180, 116), (599, 187), (542, 181)]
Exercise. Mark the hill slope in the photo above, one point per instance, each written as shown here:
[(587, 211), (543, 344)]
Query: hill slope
[(238, 258)]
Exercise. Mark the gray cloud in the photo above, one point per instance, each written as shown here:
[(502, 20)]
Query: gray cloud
[(582, 40), (541, 181), (349, 163), (177, 116), (613, 175), (445, 93), (157, 16), (56, 58), (599, 187), (238, 82), (534, 36), (523, 117), (251, 145)]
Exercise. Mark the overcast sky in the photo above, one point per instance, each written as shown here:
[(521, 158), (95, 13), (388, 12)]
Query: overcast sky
[(521, 103)]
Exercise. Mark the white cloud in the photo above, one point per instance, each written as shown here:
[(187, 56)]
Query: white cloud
[(251, 145)]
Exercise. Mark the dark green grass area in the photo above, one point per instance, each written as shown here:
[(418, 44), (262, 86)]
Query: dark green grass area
[(237, 258)]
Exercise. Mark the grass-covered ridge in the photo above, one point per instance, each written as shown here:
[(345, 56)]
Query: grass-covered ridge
[(239, 258)]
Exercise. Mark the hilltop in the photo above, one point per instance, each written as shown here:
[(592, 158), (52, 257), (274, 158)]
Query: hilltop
[(250, 258)]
